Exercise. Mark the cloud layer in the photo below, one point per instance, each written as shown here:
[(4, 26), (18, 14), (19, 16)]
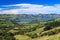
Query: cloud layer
[(30, 9)]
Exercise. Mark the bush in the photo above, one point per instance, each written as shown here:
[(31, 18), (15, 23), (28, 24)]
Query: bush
[(47, 28)]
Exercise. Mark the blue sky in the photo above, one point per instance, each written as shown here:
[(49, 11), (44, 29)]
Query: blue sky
[(29, 6), (43, 2)]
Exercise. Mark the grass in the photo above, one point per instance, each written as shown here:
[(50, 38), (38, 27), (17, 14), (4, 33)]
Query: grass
[(52, 37), (56, 30), (22, 37), (13, 31), (37, 31)]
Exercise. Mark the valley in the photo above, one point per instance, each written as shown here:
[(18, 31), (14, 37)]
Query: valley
[(30, 27)]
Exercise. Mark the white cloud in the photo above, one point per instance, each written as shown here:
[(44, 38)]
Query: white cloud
[(32, 9)]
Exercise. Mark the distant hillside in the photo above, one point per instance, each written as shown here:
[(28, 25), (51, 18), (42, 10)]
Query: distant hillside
[(26, 18)]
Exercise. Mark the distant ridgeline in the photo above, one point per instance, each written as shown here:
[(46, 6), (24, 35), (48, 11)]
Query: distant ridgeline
[(26, 18)]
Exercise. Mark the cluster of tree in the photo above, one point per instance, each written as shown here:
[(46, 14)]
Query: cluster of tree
[(51, 25), (7, 36)]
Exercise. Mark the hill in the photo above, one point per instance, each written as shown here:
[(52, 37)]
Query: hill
[(10, 29), (26, 18)]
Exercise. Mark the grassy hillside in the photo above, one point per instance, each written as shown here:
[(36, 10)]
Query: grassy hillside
[(43, 30)]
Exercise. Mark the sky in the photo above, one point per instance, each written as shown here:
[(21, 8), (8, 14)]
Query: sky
[(29, 6)]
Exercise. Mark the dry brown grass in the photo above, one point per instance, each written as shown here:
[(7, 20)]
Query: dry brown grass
[(53, 37), (22, 37)]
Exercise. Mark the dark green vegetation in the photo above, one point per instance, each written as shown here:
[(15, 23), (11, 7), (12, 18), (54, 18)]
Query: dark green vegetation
[(10, 26)]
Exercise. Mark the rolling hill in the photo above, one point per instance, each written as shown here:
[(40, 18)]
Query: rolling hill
[(39, 27)]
